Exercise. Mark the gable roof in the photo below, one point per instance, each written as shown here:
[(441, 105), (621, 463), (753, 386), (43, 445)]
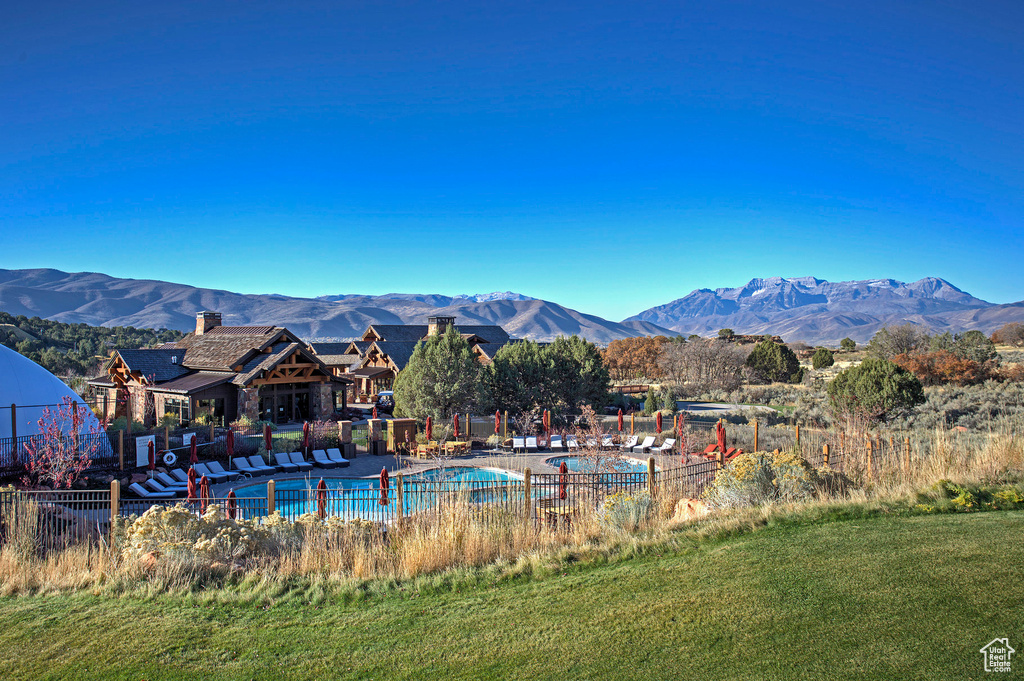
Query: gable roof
[(280, 352), (199, 380), (398, 332), (156, 365), (225, 347)]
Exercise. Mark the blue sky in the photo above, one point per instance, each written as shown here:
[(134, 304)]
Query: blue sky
[(609, 157)]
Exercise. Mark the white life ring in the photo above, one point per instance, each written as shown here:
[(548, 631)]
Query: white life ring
[(170, 458)]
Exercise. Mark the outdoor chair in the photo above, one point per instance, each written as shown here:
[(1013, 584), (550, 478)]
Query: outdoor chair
[(607, 442), (202, 470), (146, 494), (571, 443), (628, 445), (518, 443), (155, 486), (168, 481), (283, 461), (179, 475), (644, 446), (531, 444), (301, 462), (219, 470), (592, 442), (242, 464), (555, 443), (335, 456), (257, 462), (322, 460), (666, 447)]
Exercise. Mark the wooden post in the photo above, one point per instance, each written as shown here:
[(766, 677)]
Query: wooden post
[(115, 499), (211, 430), (906, 452), (400, 496), (632, 422), (824, 451), (504, 426), (271, 492), (871, 459), (798, 436), (651, 479), (120, 449), (756, 443), (527, 496)]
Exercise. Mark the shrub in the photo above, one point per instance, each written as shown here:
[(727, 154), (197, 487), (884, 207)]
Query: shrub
[(876, 389), (772, 361), (848, 345), (758, 478), (822, 358), (626, 512)]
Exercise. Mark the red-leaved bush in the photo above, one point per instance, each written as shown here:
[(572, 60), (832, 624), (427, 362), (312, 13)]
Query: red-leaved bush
[(63, 449)]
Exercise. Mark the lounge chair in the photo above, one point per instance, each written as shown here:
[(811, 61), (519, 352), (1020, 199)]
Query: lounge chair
[(644, 446), (301, 462), (155, 486), (202, 470), (607, 442), (322, 460), (242, 464), (146, 494), (282, 460), (168, 481), (257, 462), (335, 456), (628, 445), (531, 444), (571, 443), (219, 470), (666, 447), (180, 475), (518, 443), (592, 442), (555, 443)]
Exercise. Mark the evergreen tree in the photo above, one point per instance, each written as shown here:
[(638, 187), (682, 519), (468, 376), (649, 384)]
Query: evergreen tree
[(847, 345), (877, 388), (577, 374), (822, 358), (773, 362), (518, 378), (441, 379)]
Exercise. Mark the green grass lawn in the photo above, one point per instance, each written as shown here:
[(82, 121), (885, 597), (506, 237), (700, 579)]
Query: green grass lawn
[(878, 598)]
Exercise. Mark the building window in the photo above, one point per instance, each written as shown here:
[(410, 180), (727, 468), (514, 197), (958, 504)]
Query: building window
[(179, 408), (214, 407)]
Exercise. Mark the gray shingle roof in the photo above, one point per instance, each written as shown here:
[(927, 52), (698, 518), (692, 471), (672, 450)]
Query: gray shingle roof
[(199, 380), (399, 351), (155, 364), (400, 332)]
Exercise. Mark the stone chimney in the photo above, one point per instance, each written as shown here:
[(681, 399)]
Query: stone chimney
[(206, 321), (438, 325)]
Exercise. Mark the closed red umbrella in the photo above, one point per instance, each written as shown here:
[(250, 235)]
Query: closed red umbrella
[(383, 486), (204, 493), (268, 440), (375, 411), (429, 429), (563, 480), (456, 426), (321, 498), (232, 504), (657, 421), (152, 456), (230, 442), (720, 436), (620, 420), (193, 451), (497, 422), (305, 436), (192, 484)]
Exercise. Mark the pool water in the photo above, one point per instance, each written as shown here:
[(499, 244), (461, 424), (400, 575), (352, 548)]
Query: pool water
[(604, 464)]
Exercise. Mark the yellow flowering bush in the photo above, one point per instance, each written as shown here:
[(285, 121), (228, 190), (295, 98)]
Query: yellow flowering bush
[(757, 478), (626, 511)]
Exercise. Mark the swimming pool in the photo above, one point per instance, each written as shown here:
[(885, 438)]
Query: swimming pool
[(360, 497), (611, 463)]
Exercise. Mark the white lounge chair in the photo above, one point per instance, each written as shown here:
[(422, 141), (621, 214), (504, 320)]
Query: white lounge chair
[(301, 462), (202, 470), (531, 444), (644, 446), (666, 447), (282, 460), (155, 486), (219, 470), (146, 494), (628, 445), (518, 443), (242, 464), (322, 460), (256, 461), (555, 443), (607, 442), (571, 443), (592, 442), (335, 456)]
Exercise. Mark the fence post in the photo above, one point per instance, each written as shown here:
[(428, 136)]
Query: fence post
[(271, 492), (400, 496), (798, 436), (115, 499), (871, 460), (14, 425), (756, 443), (652, 488), (211, 430), (906, 452), (527, 497), (120, 449), (824, 451), (632, 422), (504, 426)]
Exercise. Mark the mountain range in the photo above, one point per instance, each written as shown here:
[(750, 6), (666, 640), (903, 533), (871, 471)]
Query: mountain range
[(802, 308)]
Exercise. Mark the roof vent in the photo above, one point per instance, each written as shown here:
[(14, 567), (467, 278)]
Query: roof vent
[(174, 359)]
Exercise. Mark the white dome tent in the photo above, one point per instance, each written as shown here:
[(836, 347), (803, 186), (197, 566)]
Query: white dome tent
[(31, 388)]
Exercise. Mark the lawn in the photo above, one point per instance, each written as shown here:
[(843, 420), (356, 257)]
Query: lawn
[(879, 598)]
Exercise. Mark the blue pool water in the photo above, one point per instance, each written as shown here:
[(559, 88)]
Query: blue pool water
[(360, 497), (605, 464)]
